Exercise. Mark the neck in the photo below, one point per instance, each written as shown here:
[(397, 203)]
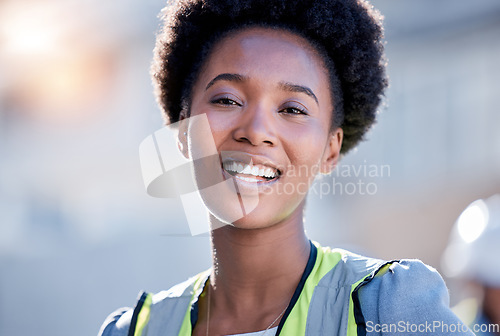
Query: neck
[(255, 268)]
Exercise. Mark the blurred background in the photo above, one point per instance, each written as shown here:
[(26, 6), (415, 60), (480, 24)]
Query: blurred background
[(79, 236)]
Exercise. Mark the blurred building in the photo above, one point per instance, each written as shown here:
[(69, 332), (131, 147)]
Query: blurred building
[(79, 236), (439, 133)]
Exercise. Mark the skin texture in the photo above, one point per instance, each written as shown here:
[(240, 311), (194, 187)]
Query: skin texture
[(258, 261)]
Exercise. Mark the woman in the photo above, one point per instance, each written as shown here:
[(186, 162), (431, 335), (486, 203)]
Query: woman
[(286, 87)]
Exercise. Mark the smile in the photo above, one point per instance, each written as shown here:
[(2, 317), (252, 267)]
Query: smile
[(251, 173)]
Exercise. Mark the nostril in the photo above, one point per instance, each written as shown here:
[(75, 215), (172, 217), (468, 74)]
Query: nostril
[(243, 139)]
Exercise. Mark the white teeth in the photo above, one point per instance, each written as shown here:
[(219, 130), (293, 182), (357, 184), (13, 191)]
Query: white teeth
[(249, 170), (269, 173)]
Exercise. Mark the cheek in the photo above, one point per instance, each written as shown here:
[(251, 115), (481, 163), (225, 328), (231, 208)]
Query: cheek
[(218, 122), (305, 152)]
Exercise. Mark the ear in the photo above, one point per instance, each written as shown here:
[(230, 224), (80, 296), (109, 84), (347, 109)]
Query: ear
[(182, 142), (331, 154)]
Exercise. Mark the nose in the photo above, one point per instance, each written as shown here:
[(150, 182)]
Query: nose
[(256, 126)]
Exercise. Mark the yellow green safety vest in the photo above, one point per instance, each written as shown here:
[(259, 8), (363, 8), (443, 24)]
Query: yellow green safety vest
[(325, 302)]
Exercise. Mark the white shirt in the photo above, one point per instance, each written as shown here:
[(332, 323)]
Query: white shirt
[(269, 332)]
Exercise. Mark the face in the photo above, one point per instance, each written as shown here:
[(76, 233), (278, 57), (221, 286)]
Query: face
[(266, 97)]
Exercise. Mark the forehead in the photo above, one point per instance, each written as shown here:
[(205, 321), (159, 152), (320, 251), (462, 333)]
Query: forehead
[(276, 54), (273, 40)]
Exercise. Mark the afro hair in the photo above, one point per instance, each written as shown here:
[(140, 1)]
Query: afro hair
[(346, 33)]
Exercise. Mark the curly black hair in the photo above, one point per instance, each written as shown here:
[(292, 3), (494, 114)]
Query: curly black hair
[(346, 33)]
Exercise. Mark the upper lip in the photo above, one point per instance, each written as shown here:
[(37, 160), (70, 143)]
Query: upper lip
[(247, 158)]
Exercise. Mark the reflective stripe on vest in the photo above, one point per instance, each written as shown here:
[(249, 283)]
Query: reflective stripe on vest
[(140, 316), (197, 289), (328, 304)]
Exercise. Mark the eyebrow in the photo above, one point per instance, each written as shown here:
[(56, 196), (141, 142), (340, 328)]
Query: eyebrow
[(298, 88), (226, 77), (231, 77)]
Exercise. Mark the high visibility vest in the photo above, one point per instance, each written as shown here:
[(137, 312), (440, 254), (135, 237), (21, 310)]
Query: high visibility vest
[(326, 302)]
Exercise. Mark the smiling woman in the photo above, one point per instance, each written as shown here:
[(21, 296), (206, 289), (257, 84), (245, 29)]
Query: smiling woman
[(286, 88)]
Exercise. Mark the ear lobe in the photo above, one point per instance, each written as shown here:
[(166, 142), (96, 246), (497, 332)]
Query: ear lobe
[(182, 142), (331, 154)]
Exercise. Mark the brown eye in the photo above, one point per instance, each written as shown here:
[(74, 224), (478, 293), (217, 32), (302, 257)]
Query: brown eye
[(294, 111), (225, 101)]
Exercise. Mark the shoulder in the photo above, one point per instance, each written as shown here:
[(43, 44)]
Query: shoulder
[(118, 323), (343, 268), (391, 297), (407, 280), (408, 294)]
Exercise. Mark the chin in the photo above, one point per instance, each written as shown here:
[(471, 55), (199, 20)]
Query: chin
[(252, 222), (262, 217)]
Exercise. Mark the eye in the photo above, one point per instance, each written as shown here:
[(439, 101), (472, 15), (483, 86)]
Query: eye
[(224, 101), (294, 110)]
